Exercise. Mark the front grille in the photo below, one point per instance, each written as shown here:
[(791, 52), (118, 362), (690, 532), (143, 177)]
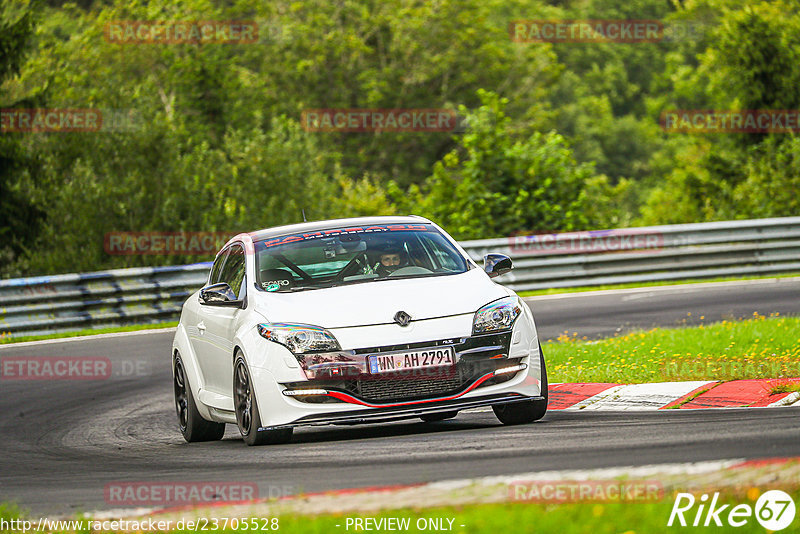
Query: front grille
[(407, 389), (476, 355)]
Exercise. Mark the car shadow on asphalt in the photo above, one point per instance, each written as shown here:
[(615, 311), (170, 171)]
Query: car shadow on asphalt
[(326, 434), (384, 430)]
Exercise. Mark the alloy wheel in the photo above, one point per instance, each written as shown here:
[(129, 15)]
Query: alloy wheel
[(243, 397), (181, 402)]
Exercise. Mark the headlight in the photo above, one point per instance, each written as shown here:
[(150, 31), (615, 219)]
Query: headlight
[(299, 338), (497, 316)]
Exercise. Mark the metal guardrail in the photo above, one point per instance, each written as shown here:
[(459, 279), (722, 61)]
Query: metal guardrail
[(66, 302), (32, 306), (650, 254)]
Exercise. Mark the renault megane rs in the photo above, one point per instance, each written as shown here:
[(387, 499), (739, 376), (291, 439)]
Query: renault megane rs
[(352, 321)]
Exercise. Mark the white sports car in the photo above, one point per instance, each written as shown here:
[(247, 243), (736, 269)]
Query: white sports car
[(352, 321)]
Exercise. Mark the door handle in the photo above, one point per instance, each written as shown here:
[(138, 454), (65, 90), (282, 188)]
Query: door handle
[(201, 326)]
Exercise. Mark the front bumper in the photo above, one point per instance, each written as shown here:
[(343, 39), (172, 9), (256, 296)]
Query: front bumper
[(346, 393), (412, 411)]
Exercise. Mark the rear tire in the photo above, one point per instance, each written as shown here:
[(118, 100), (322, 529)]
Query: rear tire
[(192, 425), (441, 416), (520, 413), (247, 417)]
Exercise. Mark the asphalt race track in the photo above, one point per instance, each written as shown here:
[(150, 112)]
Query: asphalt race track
[(63, 441)]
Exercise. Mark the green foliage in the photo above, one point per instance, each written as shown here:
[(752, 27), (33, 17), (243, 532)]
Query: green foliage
[(561, 136), (256, 178), (750, 62), (19, 216), (756, 54), (773, 180), (362, 197), (495, 183), (16, 27)]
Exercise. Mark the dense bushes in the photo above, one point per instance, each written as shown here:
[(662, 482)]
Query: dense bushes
[(559, 137)]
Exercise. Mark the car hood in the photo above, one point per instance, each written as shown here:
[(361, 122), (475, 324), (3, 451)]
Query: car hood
[(371, 303)]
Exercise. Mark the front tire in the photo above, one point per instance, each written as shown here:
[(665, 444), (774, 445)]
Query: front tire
[(520, 413), (191, 423), (247, 416)]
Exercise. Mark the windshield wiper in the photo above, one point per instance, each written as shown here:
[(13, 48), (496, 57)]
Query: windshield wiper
[(300, 288), (328, 285), (324, 285), (404, 277)]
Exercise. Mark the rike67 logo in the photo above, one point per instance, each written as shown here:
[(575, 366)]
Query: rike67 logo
[(774, 510)]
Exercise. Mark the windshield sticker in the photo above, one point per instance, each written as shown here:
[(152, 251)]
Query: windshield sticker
[(346, 231), (271, 286)]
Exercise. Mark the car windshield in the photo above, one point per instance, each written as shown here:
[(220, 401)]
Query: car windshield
[(334, 257)]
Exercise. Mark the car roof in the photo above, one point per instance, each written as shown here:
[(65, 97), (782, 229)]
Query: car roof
[(316, 226)]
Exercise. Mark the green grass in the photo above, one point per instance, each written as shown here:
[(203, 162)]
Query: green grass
[(520, 518), (9, 511), (634, 517), (5, 338), (761, 347), (560, 290), (788, 387)]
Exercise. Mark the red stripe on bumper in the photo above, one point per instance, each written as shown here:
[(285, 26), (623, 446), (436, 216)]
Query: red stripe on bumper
[(352, 400)]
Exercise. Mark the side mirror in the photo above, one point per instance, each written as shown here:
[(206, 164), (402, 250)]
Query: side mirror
[(219, 295), (497, 264)]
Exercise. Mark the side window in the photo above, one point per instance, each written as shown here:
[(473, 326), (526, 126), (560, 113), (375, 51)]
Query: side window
[(213, 278), (233, 270)]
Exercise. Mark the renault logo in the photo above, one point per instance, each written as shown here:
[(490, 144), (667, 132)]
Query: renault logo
[(402, 318)]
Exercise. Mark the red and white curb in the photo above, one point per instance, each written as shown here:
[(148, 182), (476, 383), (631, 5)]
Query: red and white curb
[(732, 474), (680, 395)]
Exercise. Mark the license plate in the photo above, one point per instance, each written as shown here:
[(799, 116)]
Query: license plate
[(416, 359)]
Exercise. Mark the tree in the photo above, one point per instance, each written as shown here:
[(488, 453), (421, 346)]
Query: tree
[(495, 183), (19, 216), (749, 63)]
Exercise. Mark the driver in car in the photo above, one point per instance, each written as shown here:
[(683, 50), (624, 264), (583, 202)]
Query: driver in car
[(392, 257)]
